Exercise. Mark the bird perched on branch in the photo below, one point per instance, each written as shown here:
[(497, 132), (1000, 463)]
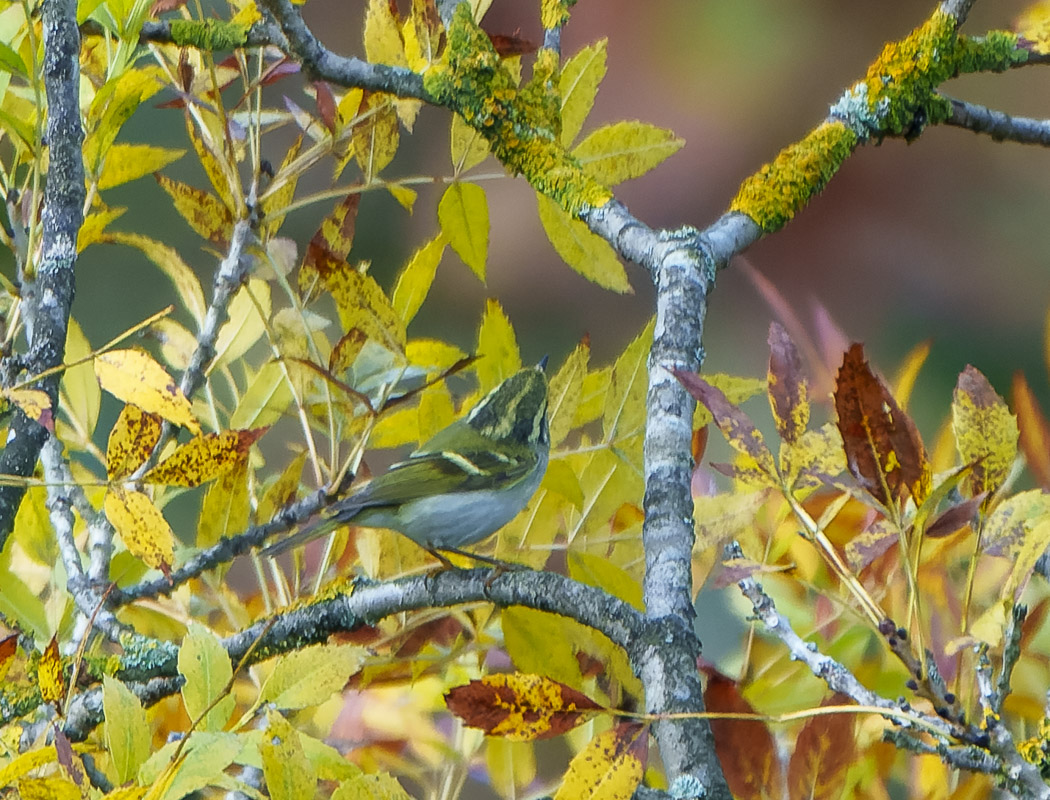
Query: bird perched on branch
[(463, 484)]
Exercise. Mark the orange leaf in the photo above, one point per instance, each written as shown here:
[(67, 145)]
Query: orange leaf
[(608, 768), (883, 448), (131, 441), (1035, 431), (787, 387), (520, 707), (824, 750), (204, 457), (50, 675), (746, 749)]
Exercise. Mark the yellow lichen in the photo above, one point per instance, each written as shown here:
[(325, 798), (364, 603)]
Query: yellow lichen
[(522, 126), (774, 194)]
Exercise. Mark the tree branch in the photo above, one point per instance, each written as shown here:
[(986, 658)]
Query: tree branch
[(47, 291), (997, 124)]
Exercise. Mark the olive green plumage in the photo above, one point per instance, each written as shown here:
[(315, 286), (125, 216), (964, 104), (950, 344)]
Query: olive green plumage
[(464, 483)]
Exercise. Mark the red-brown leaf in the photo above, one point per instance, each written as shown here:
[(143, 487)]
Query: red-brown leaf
[(746, 749), (787, 387), (883, 449), (520, 707), (824, 750)]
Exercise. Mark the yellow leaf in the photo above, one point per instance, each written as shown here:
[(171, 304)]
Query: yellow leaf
[(177, 344), (606, 769), (141, 526), (817, 453), (376, 136), (225, 508), (288, 774), (131, 441), (395, 428), (248, 311), (561, 479), (624, 412), (279, 194), (28, 761), (51, 787), (32, 402), (94, 224), (904, 380), (592, 397), (33, 530), (597, 571), (50, 674), (413, 283), (1034, 25), (111, 107), (435, 410), (221, 179), (383, 43), (464, 216), (205, 213), (432, 354), (578, 87), (168, 260), (283, 490), (498, 356), (204, 457), (563, 397), (588, 254), (722, 517), (986, 433), (134, 377), (511, 765), (310, 676), (469, 148), (625, 150), (405, 197), (127, 162)]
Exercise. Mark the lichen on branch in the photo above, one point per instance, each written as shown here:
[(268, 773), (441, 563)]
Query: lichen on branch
[(521, 125), (781, 188), (209, 34), (897, 97)]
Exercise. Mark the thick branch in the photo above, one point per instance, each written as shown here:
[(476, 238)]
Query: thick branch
[(47, 291)]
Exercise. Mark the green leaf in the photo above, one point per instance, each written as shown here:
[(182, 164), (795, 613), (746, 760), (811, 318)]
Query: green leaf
[(127, 162), (498, 356), (225, 507), (540, 643), (205, 665), (205, 758), (588, 254), (464, 216), (81, 394), (19, 603), (128, 735), (265, 399), (11, 61), (413, 284), (625, 150), (248, 311), (578, 87), (308, 677), (289, 776)]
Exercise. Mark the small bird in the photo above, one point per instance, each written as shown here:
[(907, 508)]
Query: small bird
[(463, 484)]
